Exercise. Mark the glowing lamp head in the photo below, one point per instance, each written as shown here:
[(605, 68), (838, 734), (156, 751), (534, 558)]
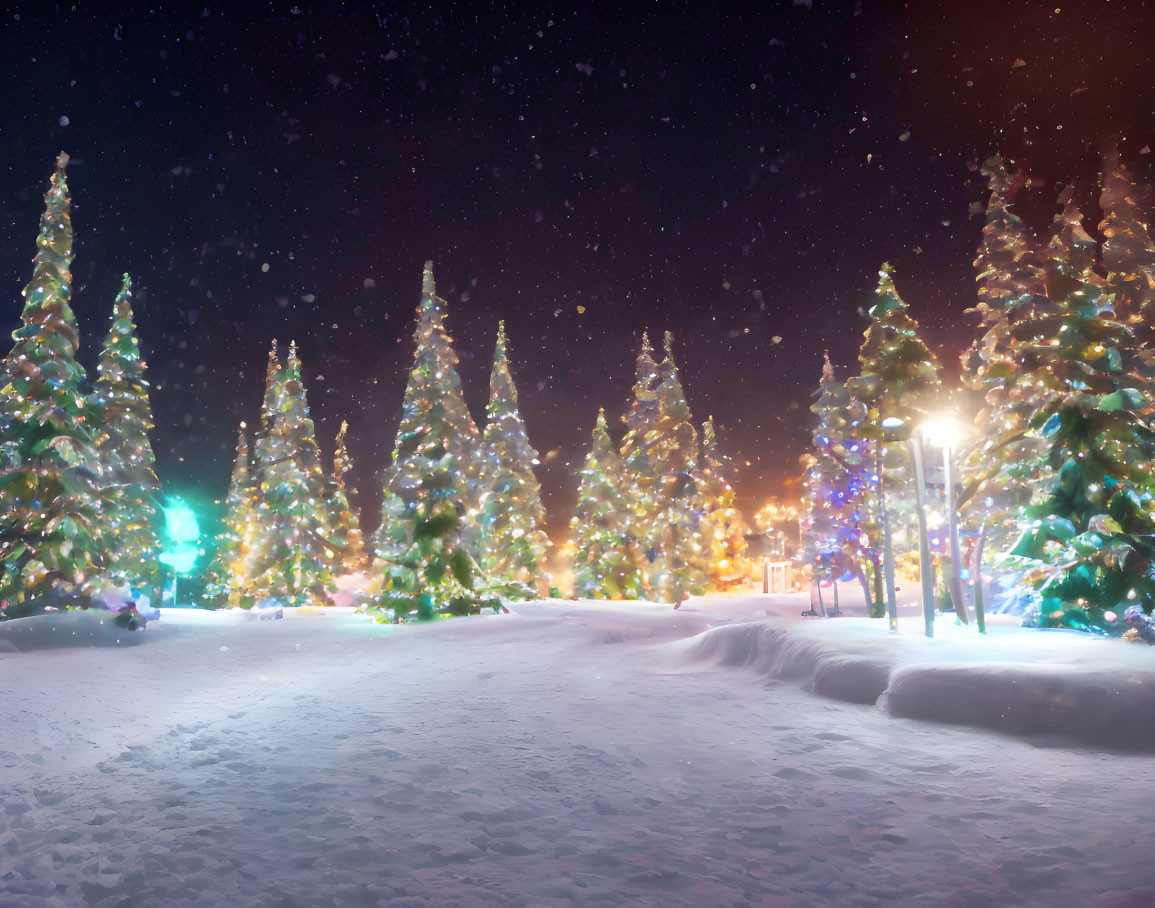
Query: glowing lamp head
[(942, 433)]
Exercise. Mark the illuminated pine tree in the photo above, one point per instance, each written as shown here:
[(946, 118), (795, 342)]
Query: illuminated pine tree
[(1086, 541), (605, 552), (343, 518), (1010, 270), (898, 379), (840, 520), (130, 501), (641, 417), (293, 553), (1128, 250), (675, 543), (513, 544), (48, 485), (432, 487), (228, 580), (725, 530)]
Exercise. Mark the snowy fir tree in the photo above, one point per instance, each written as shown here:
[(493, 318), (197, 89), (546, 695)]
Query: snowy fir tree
[(1128, 250), (130, 506), (49, 484), (513, 544), (343, 518), (605, 550), (674, 544), (640, 419), (432, 488), (228, 580), (996, 458), (840, 480), (1087, 532), (898, 379), (726, 533), (292, 551)]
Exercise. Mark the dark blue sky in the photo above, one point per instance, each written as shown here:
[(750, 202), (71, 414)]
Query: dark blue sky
[(732, 172)]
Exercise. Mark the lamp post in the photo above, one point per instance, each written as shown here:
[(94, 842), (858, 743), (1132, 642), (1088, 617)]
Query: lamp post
[(925, 565), (892, 427), (944, 434)]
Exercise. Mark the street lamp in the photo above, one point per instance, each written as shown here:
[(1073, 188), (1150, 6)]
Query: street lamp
[(925, 565), (944, 433), (892, 427)]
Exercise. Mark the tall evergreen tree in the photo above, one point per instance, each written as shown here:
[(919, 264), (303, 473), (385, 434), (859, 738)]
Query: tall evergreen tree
[(130, 501), (343, 518), (675, 543), (726, 529), (229, 578), (48, 485), (1010, 270), (840, 521), (513, 543), (605, 551), (898, 379), (1128, 250), (432, 487), (640, 419), (1088, 531), (293, 551)]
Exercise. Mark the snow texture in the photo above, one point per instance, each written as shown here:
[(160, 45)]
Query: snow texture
[(566, 754), (93, 627)]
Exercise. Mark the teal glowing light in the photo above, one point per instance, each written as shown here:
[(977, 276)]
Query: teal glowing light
[(182, 531)]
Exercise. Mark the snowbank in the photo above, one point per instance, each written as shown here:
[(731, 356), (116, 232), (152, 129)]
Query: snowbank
[(569, 754), (93, 627), (1014, 680)]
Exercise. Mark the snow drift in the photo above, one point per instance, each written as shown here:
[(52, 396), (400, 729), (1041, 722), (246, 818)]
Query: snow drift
[(1015, 681), (94, 627)]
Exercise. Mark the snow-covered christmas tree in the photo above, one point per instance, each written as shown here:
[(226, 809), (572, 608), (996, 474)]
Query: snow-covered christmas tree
[(49, 464), (726, 529), (343, 517), (840, 482), (605, 551), (228, 580), (675, 543), (130, 505), (513, 544), (425, 545), (293, 554)]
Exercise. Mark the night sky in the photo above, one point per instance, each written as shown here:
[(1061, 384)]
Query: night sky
[(732, 172)]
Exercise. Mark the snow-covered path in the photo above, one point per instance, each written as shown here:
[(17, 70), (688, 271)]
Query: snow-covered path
[(557, 756)]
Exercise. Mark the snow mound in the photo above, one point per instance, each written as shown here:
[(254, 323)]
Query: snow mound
[(93, 627), (1105, 708), (1015, 681)]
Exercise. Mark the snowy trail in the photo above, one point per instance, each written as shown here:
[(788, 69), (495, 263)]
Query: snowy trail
[(523, 760)]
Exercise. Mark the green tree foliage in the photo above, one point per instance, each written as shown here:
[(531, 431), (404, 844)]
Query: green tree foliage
[(640, 419), (605, 551), (343, 518), (997, 457), (1128, 250), (49, 484), (292, 551), (228, 581), (1088, 531), (130, 503), (675, 543), (726, 529), (898, 379), (432, 488), (840, 485), (513, 544)]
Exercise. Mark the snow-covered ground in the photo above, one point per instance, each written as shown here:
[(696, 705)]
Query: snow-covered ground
[(565, 754)]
